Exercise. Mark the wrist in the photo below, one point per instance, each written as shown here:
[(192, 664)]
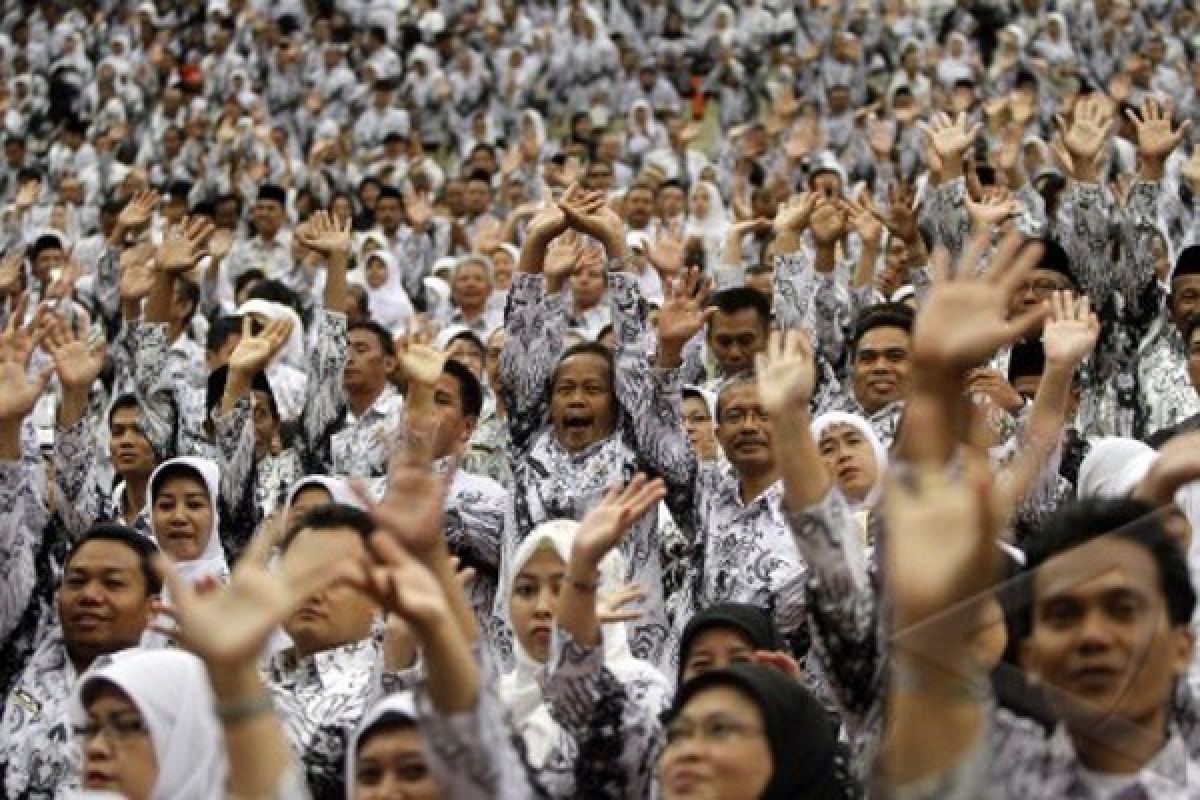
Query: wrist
[(826, 258), (670, 355), (1151, 169)]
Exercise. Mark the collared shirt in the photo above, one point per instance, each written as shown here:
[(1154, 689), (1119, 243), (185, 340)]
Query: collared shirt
[(361, 449), (488, 450), (273, 257), (1166, 396), (320, 699), (86, 500), (474, 526)]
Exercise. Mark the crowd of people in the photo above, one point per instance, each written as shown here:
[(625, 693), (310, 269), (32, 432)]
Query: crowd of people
[(599, 399)]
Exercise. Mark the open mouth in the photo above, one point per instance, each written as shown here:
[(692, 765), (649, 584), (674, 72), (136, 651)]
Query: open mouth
[(577, 422)]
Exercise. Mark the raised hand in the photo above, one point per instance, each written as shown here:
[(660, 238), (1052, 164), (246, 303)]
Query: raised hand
[(423, 364), (965, 318), (1190, 170), (182, 245), (419, 211), (11, 269), (406, 587), (64, 287), (1155, 137), (868, 226), (412, 509), (1177, 465), (137, 276), (588, 213), (795, 213), (1086, 136), (19, 391), (138, 211), (256, 351), (562, 259), (220, 244), (606, 524), (786, 375), (77, 361), (228, 626), (950, 139), (881, 138), (324, 234), (610, 609), (683, 312), (666, 254), (995, 207), (547, 223), (1071, 330), (27, 194)]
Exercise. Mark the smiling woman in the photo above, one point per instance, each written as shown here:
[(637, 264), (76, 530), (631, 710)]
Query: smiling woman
[(184, 518)]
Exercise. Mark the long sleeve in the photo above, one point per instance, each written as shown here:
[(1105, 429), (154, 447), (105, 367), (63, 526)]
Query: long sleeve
[(234, 435), (841, 603), (23, 517), (947, 211), (1088, 229), (325, 401), (472, 753), (535, 325), (795, 287), (75, 475), (155, 394), (1139, 229), (614, 722)]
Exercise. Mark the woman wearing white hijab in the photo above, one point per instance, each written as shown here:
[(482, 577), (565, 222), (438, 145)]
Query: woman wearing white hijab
[(707, 220), (854, 456), (286, 372), (158, 706), (644, 133), (184, 497), (1054, 42), (387, 302), (955, 64), (568, 739)]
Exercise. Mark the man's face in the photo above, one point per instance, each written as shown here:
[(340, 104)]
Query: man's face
[(736, 338), (1193, 351), (839, 100), (881, 367), (587, 286), (639, 206), (581, 406), (103, 602), (600, 176), (389, 213), (477, 197), (671, 200), (129, 448), (464, 351), (1185, 298), (338, 615), (470, 287), (47, 261), (268, 216), (743, 429), (453, 427), (1102, 636), (266, 425), (367, 365), (1036, 289)]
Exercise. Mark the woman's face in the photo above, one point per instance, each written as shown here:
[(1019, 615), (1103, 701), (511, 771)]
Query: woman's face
[(502, 270), (377, 273), (850, 458), (716, 749), (534, 595), (183, 517), (495, 347), (698, 424), (716, 648), (118, 753), (391, 764), (700, 204), (308, 498)]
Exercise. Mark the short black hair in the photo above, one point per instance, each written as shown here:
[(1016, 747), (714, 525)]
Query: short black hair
[(221, 331), (589, 348), (123, 401), (471, 338), (327, 517), (274, 291), (1189, 329), (884, 315), (386, 191), (381, 333), (741, 298), (480, 176), (469, 388), (142, 545), (1089, 518), (187, 289)]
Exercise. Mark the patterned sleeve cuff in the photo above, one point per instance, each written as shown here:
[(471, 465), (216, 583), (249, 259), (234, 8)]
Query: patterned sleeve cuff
[(528, 287), (75, 439), (13, 477), (228, 426), (667, 380), (570, 657), (150, 335), (332, 323)]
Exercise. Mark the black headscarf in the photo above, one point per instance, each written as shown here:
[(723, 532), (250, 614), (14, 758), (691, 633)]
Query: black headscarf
[(751, 621), (802, 739)]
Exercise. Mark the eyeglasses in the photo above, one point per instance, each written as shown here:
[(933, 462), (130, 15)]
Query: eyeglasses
[(713, 730), (115, 729), (739, 416)]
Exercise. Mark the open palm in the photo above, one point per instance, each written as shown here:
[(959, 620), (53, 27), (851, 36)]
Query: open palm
[(786, 376), (683, 314), (77, 362), (605, 525)]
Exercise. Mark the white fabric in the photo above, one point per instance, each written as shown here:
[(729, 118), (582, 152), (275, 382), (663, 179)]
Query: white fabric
[(171, 691), (1114, 467), (389, 305), (828, 420), (519, 690), (338, 489), (402, 703), (211, 562)]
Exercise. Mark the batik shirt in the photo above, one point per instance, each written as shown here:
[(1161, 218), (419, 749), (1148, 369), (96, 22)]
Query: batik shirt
[(1165, 393), (474, 526), (610, 724), (741, 553), (552, 483), (85, 500), (36, 746), (320, 699), (488, 450), (1018, 759)]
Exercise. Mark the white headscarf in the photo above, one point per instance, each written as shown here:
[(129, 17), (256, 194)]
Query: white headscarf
[(955, 68), (402, 704), (389, 305), (825, 421), (712, 227), (293, 354), (1114, 467), (339, 491), (211, 562), (519, 690), (171, 691)]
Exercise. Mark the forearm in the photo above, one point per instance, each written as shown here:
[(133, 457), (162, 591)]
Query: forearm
[(255, 744), (10, 440), (805, 479), (335, 281), (452, 675), (576, 613), (158, 304)]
